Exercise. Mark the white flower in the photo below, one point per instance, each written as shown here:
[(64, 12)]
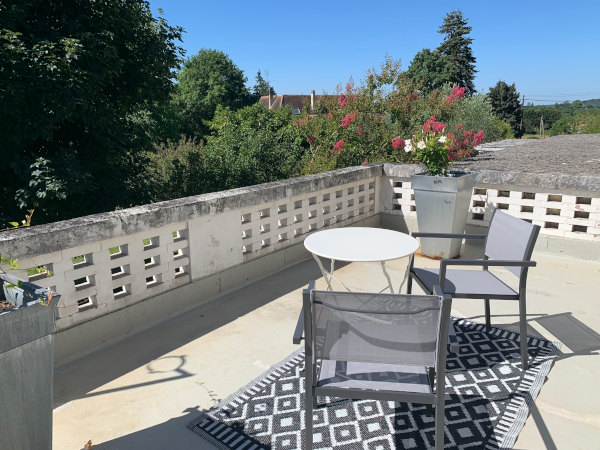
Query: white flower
[(408, 146), (442, 139), (421, 144)]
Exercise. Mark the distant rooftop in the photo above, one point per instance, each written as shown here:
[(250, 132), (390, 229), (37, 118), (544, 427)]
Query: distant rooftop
[(577, 154), (296, 102)]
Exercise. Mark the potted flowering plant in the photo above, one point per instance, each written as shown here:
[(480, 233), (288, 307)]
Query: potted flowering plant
[(27, 325), (441, 196)]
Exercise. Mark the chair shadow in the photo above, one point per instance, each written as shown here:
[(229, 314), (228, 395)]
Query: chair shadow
[(570, 331)]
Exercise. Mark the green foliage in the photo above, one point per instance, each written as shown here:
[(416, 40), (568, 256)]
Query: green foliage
[(456, 47), (475, 113), (261, 88), (532, 116), (506, 105), (430, 67), (504, 129), (249, 146), (74, 75), (207, 80), (253, 145)]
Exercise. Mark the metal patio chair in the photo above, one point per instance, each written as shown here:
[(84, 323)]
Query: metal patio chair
[(375, 346), (509, 243)]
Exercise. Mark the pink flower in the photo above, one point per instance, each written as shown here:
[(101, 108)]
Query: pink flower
[(365, 162), (342, 100), (359, 130), (397, 143), (433, 125), (478, 137), (458, 92), (348, 87), (310, 139), (448, 99), (348, 120), (458, 126), (338, 146)]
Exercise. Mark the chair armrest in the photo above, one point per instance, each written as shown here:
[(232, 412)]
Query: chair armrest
[(298, 333), (448, 235), (486, 262)]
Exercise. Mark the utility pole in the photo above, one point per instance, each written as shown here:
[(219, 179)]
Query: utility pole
[(522, 110), (542, 126)]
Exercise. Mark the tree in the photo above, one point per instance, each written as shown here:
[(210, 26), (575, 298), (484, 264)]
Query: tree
[(430, 67), (207, 80), (252, 145), (75, 77), (457, 48), (506, 105), (262, 87)]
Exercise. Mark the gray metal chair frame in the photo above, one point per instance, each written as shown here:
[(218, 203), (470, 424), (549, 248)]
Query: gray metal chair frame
[(432, 391), (494, 247)]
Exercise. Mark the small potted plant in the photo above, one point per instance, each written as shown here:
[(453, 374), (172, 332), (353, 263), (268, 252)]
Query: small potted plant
[(442, 196)]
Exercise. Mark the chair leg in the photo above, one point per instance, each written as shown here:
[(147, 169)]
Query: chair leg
[(523, 331), (440, 415), (487, 314), (308, 418), (409, 285)]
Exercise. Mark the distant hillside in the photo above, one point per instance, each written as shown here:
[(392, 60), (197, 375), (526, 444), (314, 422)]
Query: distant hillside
[(593, 103)]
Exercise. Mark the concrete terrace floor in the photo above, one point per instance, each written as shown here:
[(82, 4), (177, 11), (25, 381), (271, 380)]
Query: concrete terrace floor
[(142, 392)]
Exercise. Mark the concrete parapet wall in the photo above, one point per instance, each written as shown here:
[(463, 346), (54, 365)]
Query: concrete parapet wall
[(107, 262)]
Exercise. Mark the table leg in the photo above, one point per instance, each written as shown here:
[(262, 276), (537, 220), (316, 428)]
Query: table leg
[(326, 275), (404, 278), (387, 276)]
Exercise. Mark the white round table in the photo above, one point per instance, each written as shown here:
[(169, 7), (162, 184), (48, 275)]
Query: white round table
[(359, 244)]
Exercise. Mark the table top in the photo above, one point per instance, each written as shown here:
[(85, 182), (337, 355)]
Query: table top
[(361, 244)]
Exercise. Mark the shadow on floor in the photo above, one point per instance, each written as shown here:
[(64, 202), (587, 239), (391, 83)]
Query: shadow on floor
[(79, 378), (172, 434), (570, 331)]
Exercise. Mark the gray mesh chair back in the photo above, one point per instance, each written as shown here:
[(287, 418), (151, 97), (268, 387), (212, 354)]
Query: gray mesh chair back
[(376, 346), (510, 238)]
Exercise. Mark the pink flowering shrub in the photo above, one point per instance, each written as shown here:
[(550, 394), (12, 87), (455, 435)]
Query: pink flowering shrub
[(370, 122), (348, 120), (456, 93), (338, 146), (397, 143)]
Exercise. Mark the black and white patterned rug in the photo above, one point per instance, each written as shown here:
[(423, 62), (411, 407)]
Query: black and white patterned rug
[(488, 398)]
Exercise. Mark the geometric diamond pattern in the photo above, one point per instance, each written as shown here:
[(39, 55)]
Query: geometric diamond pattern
[(487, 397)]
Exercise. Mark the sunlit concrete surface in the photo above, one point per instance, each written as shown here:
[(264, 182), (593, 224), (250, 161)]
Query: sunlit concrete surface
[(141, 392)]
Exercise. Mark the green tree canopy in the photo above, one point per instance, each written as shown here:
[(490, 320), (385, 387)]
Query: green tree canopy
[(506, 105), (207, 80), (430, 67), (75, 76), (457, 48), (262, 87)]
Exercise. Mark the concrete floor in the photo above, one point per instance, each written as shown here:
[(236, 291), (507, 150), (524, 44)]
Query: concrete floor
[(142, 392)]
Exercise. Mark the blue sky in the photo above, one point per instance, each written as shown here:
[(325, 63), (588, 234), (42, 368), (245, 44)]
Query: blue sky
[(550, 50)]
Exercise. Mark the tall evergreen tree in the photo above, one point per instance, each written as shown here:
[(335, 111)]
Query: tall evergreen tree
[(262, 87), (457, 47), (430, 67), (506, 106)]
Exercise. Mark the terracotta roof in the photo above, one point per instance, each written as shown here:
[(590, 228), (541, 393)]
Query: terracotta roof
[(295, 101)]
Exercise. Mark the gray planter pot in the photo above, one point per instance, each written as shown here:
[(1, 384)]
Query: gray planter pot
[(26, 369), (442, 205)]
